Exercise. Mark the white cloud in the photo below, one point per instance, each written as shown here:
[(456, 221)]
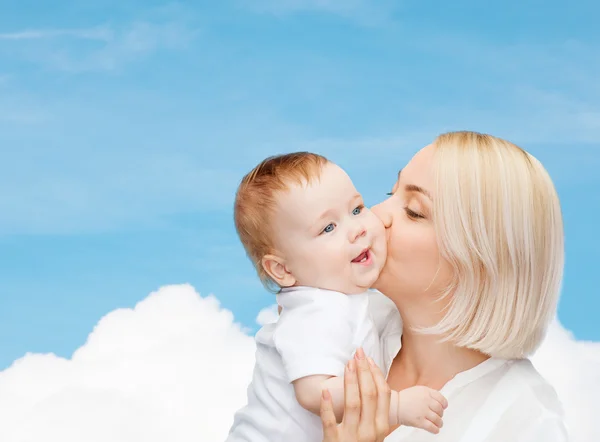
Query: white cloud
[(176, 368), (573, 367), (267, 315)]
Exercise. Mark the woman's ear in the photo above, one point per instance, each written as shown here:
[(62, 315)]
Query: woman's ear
[(276, 269)]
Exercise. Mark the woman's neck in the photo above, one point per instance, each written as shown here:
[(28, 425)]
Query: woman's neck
[(424, 360)]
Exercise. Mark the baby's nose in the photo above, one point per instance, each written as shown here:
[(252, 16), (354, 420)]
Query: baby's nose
[(358, 231)]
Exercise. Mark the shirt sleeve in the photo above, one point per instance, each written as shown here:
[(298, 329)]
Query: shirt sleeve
[(315, 338)]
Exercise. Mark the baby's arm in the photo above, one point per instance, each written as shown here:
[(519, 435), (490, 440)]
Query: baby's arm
[(419, 406), (314, 339), (309, 389)]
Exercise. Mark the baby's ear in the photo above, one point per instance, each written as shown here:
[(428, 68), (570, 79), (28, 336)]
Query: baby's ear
[(276, 269)]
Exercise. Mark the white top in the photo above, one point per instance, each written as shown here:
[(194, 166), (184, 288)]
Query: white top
[(497, 401), (316, 334)]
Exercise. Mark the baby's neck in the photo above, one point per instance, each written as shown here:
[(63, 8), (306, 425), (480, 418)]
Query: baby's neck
[(424, 360)]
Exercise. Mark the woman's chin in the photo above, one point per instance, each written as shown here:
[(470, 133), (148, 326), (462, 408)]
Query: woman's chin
[(386, 284)]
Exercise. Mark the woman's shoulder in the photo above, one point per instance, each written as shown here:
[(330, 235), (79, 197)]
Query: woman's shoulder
[(534, 387), (512, 384), (504, 400), (534, 407)]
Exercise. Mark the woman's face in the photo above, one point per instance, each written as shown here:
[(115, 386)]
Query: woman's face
[(414, 272)]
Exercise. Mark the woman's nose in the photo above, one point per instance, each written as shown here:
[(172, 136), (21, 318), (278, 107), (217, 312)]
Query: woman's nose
[(382, 212)]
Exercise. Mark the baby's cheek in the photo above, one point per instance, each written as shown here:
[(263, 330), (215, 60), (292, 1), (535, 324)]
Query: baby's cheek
[(382, 259), (380, 240), (376, 229)]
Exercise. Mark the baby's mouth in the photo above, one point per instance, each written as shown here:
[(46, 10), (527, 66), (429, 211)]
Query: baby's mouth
[(362, 257)]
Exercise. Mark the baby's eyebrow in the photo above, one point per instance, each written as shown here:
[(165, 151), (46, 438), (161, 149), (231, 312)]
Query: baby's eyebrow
[(327, 214)]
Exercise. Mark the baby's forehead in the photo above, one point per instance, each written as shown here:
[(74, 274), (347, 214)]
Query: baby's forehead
[(300, 201), (304, 203)]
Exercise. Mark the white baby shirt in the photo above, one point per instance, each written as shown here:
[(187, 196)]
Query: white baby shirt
[(317, 333)]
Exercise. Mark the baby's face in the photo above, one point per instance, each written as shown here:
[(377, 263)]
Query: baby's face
[(327, 237)]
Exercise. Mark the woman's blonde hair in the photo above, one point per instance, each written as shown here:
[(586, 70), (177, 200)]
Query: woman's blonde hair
[(498, 221)]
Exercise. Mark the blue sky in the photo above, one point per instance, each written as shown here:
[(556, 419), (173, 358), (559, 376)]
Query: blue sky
[(125, 126)]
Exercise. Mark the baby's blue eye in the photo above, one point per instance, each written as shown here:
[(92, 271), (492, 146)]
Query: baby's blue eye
[(328, 229), (357, 211)]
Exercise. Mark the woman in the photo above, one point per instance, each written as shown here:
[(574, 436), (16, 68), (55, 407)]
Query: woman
[(475, 262)]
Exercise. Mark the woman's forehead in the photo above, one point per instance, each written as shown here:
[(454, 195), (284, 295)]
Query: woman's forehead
[(418, 171)]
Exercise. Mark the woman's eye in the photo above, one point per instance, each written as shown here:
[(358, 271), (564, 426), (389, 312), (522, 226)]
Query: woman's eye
[(328, 229), (412, 214), (357, 210)]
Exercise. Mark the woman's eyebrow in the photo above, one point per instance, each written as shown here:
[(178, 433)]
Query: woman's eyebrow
[(415, 188)]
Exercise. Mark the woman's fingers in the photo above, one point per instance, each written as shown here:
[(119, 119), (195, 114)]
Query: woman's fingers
[(328, 418), (368, 397), (382, 418), (351, 417)]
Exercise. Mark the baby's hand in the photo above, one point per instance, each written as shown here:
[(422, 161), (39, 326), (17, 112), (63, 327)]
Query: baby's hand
[(421, 407)]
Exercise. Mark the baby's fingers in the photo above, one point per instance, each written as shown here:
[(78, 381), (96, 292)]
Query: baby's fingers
[(436, 407), (439, 398), (435, 419), (430, 426)]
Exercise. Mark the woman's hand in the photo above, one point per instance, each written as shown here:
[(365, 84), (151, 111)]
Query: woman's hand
[(366, 405)]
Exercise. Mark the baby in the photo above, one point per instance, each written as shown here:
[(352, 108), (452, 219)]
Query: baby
[(310, 237)]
